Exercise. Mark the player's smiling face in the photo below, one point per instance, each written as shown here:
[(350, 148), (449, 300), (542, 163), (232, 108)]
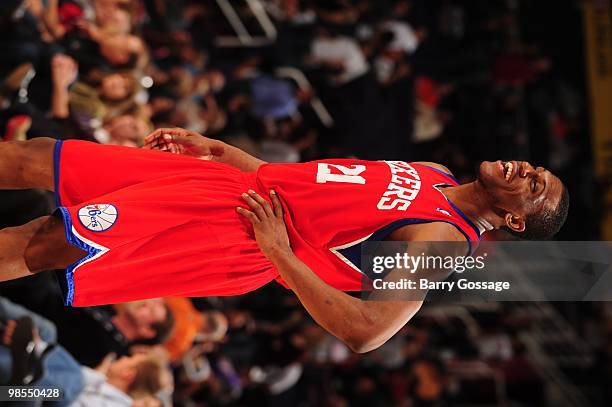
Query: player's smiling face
[(516, 187)]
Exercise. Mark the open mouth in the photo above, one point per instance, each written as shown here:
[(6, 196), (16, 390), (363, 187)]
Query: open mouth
[(509, 169)]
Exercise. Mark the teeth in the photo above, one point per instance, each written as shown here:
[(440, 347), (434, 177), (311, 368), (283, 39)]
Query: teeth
[(508, 170)]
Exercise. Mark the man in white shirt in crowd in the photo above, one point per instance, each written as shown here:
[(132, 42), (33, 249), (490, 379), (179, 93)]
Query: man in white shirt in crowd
[(119, 382), (340, 53)]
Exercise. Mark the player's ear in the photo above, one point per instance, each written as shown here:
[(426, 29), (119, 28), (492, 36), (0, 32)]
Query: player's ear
[(515, 222)]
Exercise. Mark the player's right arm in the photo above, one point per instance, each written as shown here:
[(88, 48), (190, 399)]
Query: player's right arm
[(181, 141), (361, 325)]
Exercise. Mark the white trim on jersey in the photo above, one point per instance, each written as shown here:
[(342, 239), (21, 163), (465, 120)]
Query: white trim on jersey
[(102, 249), (335, 251)]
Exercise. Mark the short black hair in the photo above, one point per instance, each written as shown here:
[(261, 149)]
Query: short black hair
[(547, 223)]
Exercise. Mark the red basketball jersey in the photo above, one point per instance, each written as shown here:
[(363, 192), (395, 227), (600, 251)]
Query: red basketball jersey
[(154, 224), (335, 205)]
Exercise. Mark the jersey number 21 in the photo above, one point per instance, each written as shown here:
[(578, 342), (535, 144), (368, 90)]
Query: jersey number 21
[(340, 173)]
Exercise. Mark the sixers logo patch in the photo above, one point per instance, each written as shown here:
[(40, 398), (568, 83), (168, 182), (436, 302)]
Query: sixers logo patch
[(98, 217)]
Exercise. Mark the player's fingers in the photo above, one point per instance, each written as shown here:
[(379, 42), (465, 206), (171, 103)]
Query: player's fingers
[(172, 141), (164, 135), (169, 147), (255, 206), (152, 136), (276, 203), (173, 131), (265, 204), (173, 146), (153, 145), (169, 130), (160, 142), (247, 214), (179, 138)]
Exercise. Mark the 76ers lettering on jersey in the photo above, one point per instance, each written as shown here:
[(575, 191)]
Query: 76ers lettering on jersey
[(403, 189), (333, 206)]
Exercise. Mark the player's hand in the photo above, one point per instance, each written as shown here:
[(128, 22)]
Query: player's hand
[(270, 230), (181, 141)]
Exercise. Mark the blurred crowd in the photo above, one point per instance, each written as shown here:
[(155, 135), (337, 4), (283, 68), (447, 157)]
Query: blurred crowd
[(450, 81)]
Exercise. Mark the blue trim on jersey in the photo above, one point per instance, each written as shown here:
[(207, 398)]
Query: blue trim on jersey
[(57, 152), (459, 211), (465, 218), (446, 174), (353, 253), (68, 277)]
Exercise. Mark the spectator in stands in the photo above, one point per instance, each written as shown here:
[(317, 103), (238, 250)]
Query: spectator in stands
[(340, 55), (192, 327), (89, 334), (40, 362), (114, 382), (29, 354), (348, 77)]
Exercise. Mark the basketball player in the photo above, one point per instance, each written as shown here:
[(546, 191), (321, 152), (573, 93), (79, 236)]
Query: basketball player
[(212, 220)]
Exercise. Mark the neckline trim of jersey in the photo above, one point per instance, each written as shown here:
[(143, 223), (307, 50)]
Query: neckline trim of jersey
[(446, 174), (464, 216), (459, 211)]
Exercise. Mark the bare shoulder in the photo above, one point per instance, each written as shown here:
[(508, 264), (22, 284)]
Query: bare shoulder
[(435, 165)]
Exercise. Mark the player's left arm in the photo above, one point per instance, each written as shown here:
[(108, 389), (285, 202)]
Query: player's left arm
[(361, 325), (181, 141)]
